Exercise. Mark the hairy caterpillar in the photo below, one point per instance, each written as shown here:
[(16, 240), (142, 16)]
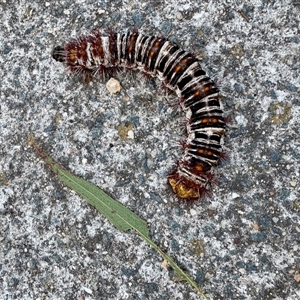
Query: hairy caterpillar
[(180, 71)]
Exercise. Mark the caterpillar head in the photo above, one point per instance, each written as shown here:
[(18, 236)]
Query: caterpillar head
[(58, 53)]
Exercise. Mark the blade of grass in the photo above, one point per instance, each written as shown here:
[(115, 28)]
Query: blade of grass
[(120, 216)]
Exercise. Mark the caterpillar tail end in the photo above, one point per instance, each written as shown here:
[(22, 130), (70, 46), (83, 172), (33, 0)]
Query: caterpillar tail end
[(186, 189)]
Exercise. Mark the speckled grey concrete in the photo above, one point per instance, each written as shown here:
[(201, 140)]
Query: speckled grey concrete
[(242, 242)]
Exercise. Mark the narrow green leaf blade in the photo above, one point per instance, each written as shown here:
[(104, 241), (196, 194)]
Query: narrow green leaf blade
[(120, 216)]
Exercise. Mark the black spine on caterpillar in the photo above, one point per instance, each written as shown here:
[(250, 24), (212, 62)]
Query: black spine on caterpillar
[(181, 72)]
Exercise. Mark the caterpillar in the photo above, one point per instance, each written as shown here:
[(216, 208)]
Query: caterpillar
[(181, 72)]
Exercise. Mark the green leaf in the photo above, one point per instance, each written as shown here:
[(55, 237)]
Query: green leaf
[(120, 216)]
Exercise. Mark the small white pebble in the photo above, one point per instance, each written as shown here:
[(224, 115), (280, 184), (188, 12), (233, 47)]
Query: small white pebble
[(179, 16), (113, 86), (275, 220), (293, 183), (89, 291), (84, 161), (130, 134), (234, 195), (193, 212), (241, 120)]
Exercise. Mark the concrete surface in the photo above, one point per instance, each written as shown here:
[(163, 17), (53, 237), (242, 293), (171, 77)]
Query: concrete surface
[(242, 242)]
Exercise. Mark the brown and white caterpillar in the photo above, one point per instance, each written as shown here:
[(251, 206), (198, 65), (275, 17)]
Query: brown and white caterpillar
[(180, 71)]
